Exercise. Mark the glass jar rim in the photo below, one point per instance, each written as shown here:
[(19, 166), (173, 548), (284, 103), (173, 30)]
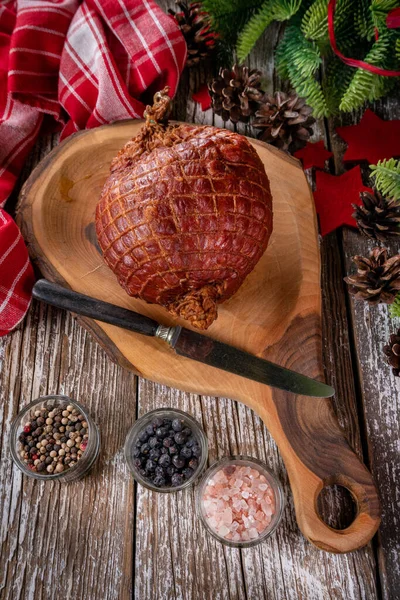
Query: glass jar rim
[(17, 422), (138, 426), (280, 500)]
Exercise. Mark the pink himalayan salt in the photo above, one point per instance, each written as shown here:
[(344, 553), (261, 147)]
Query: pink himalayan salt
[(253, 533), (227, 516), (238, 503)]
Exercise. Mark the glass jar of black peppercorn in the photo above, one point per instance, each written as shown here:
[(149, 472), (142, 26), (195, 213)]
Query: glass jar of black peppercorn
[(54, 437), (166, 450)]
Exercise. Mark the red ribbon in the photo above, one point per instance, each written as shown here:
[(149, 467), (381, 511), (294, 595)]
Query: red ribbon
[(352, 62), (393, 19)]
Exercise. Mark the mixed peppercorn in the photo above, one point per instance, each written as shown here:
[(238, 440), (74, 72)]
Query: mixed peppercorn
[(166, 452), (54, 439)]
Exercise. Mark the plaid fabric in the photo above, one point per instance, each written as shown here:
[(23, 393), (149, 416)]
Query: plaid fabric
[(85, 64)]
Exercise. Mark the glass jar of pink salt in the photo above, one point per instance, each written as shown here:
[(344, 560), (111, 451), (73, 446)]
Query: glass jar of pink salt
[(240, 501)]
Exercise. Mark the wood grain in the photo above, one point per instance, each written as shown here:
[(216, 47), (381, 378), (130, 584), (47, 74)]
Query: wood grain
[(284, 567), (379, 389), (290, 568), (64, 540), (276, 313)]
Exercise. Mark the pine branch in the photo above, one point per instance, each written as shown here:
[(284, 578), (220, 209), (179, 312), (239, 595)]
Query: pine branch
[(271, 10), (295, 51), (228, 17), (398, 49), (387, 177), (298, 60), (394, 309), (315, 21), (364, 84), (253, 30), (336, 81), (363, 23)]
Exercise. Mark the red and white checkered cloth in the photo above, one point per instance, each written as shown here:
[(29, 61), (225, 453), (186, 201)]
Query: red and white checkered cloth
[(86, 64)]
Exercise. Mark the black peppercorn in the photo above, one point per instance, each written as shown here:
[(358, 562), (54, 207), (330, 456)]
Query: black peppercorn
[(164, 460), (149, 430), (186, 452), (145, 448), (178, 462), (162, 432), (157, 422), (177, 425), (154, 453), (196, 451)]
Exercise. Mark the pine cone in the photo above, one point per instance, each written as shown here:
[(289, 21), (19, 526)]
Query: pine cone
[(235, 93), (194, 24), (392, 351), (377, 279), (377, 217), (284, 120)]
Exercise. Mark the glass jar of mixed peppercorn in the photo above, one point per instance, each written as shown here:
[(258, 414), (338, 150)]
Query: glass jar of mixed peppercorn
[(54, 437), (166, 450)]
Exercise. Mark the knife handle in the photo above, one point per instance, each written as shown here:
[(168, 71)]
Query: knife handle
[(62, 297)]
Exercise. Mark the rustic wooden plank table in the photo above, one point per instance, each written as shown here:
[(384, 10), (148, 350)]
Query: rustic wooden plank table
[(105, 537)]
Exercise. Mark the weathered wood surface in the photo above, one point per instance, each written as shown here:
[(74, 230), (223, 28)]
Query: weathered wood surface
[(81, 540), (379, 389), (277, 308)]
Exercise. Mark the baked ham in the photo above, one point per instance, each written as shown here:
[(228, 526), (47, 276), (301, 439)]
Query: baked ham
[(185, 215)]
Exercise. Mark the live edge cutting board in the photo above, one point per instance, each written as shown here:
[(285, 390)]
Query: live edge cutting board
[(276, 314)]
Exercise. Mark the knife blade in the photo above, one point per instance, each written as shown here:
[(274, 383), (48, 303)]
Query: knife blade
[(184, 342)]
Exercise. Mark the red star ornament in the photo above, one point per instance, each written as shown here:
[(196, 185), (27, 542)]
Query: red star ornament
[(313, 155), (372, 139), (202, 97), (334, 197)]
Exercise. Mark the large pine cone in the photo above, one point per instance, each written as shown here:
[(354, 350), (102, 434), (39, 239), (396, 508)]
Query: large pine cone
[(378, 217), (285, 121), (184, 216), (235, 93), (392, 351), (378, 277)]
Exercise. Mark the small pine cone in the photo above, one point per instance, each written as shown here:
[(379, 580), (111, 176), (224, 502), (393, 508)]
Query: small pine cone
[(377, 217), (194, 24), (235, 93), (377, 279), (392, 351), (284, 121)]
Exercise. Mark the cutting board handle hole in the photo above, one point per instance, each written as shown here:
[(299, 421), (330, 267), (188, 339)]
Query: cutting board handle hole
[(336, 506)]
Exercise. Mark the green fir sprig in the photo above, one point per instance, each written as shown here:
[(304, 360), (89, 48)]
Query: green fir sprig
[(386, 175), (364, 84), (271, 10), (394, 309), (298, 60), (307, 60)]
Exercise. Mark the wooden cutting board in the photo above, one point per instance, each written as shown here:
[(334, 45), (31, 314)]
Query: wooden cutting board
[(276, 314)]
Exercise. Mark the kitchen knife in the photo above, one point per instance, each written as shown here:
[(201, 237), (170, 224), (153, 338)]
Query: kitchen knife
[(184, 341)]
